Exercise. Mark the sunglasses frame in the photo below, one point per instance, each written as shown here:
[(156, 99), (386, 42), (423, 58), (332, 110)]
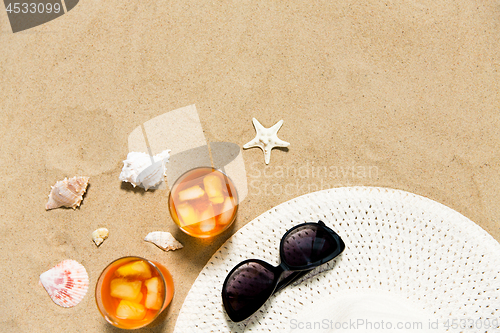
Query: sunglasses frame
[(279, 282)]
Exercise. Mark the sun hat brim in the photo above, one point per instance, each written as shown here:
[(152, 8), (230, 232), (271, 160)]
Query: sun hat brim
[(396, 242)]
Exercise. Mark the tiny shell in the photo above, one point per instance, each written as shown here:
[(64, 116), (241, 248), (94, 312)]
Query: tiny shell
[(67, 193), (99, 235), (66, 283), (163, 240), (141, 169)]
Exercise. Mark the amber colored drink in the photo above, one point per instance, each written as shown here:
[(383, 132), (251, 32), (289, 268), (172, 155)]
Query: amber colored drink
[(203, 202), (132, 291)]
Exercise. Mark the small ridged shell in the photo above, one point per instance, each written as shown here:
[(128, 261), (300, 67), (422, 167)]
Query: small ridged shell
[(67, 193), (164, 240), (99, 235), (66, 283)]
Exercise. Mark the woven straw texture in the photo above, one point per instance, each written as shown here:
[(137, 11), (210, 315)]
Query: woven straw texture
[(395, 241)]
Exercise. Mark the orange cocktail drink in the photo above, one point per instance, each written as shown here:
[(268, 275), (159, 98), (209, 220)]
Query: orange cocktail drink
[(203, 202), (132, 291)]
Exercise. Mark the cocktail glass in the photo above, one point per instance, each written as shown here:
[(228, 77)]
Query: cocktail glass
[(120, 278), (203, 202)]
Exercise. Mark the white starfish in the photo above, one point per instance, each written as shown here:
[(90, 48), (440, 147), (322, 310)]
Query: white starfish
[(266, 138)]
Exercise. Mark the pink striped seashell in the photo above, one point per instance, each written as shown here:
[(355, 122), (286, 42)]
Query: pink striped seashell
[(67, 193), (66, 283)]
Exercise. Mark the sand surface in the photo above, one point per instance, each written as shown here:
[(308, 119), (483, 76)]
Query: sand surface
[(399, 94)]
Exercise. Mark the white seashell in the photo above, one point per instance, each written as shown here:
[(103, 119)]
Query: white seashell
[(140, 169), (163, 240), (66, 283), (99, 235), (67, 193)]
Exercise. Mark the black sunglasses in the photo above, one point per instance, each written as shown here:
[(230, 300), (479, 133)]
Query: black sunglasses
[(302, 248)]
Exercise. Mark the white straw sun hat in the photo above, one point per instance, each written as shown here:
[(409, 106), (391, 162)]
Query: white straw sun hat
[(408, 260)]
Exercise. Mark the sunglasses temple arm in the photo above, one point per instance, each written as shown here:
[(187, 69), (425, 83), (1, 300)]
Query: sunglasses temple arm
[(289, 279)]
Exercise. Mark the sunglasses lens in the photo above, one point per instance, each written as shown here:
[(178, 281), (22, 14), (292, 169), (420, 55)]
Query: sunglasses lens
[(307, 245), (247, 288)]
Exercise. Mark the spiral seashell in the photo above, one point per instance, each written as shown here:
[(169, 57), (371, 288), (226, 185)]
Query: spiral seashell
[(67, 193), (141, 169), (164, 240), (66, 283)]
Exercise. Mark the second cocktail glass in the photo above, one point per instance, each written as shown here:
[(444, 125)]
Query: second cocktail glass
[(131, 292)]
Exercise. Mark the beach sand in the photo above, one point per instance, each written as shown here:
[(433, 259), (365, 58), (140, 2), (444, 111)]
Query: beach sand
[(393, 94)]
